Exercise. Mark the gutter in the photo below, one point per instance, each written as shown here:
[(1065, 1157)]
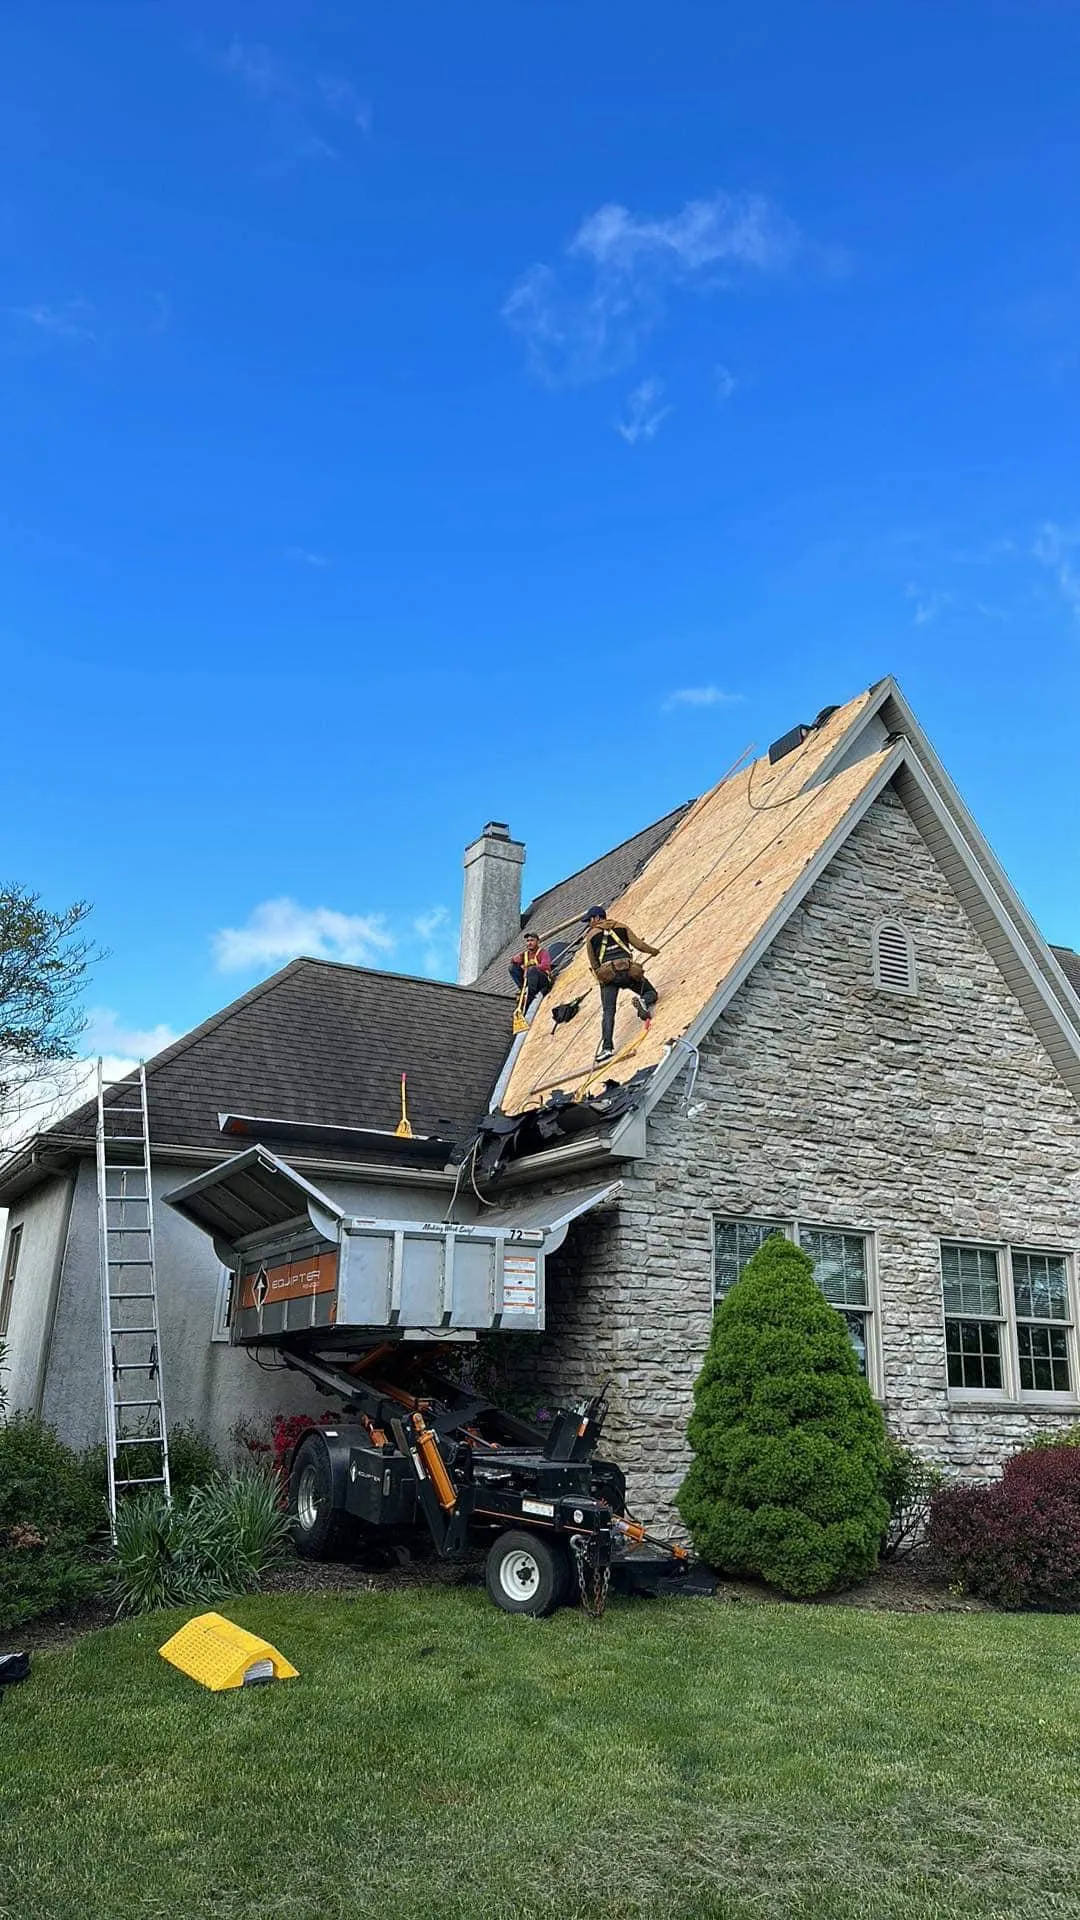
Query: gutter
[(167, 1154)]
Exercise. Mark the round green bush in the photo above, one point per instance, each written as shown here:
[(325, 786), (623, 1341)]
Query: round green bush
[(788, 1483)]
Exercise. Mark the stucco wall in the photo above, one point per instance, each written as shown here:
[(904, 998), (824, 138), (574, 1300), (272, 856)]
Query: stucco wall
[(42, 1215), (821, 1098)]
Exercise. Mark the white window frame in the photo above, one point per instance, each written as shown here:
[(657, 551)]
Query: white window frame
[(891, 922), (1011, 1393), (220, 1330), (791, 1228), (12, 1253)]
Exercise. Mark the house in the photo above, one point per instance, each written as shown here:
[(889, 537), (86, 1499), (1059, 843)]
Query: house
[(862, 1041)]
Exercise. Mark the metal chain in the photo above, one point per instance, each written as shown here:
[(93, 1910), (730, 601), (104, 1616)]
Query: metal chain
[(592, 1603)]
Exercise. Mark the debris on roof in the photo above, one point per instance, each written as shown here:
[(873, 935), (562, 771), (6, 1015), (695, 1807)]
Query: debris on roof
[(560, 1118)]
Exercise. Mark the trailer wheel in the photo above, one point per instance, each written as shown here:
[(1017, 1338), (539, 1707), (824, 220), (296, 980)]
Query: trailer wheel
[(320, 1531), (527, 1574)]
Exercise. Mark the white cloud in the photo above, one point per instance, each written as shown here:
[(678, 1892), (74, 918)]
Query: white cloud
[(743, 228), (700, 697), (303, 104), (1055, 548), (588, 318), (436, 931), (341, 97), (105, 1034), (644, 414), (305, 557), (70, 321), (725, 382), (280, 930)]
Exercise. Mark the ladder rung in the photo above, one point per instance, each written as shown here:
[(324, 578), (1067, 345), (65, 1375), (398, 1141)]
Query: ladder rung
[(134, 1330), (152, 1480), (135, 1366), (115, 1298), (124, 1139), (125, 1406), (142, 1440), (124, 1260)]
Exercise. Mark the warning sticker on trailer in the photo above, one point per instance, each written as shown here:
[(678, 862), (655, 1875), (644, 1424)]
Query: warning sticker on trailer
[(519, 1282)]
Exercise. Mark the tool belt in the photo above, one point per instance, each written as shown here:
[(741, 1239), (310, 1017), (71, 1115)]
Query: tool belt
[(626, 971)]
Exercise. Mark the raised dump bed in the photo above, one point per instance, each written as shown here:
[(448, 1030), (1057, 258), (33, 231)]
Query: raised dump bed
[(301, 1264)]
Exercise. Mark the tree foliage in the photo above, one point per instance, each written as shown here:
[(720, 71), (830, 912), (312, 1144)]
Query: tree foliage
[(43, 959), (789, 1478)]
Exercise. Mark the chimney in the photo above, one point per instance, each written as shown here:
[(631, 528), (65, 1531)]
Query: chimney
[(491, 903)]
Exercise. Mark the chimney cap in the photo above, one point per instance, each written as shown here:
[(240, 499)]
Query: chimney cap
[(496, 830)]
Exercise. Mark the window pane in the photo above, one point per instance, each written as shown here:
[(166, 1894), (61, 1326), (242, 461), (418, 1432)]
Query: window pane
[(856, 1326), (973, 1349), (1044, 1359), (1040, 1286), (969, 1277), (735, 1242), (839, 1264)]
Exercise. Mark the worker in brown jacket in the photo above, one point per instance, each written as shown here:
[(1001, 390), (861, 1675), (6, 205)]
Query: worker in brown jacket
[(610, 946)]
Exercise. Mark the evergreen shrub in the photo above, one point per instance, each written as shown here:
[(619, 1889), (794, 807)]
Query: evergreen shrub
[(788, 1482)]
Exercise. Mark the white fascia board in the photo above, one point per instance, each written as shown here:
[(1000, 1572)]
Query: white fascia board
[(993, 873), (669, 1069)]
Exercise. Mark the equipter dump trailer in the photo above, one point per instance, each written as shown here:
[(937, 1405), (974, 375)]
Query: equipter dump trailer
[(363, 1306)]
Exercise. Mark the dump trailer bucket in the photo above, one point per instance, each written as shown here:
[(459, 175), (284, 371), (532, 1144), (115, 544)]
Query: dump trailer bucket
[(301, 1264)]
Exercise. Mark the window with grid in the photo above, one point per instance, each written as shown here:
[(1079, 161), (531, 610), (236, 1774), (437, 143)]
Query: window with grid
[(974, 1321), (1009, 1320), (1043, 1321), (10, 1266), (735, 1242), (841, 1269)]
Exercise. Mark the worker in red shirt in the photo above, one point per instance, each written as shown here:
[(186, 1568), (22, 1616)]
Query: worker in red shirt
[(532, 971)]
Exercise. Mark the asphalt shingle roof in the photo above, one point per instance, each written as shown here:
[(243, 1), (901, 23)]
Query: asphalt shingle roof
[(327, 1044), (594, 885)]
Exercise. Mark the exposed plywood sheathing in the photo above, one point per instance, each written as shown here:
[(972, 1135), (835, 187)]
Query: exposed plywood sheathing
[(703, 898)]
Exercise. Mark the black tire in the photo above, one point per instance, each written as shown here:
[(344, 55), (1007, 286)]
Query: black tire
[(319, 1530), (527, 1574)]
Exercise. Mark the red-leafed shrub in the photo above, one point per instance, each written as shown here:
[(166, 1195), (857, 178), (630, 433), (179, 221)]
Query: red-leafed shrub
[(1016, 1543), (286, 1431)]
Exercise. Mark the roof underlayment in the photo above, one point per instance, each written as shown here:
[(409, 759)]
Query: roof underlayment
[(703, 899)]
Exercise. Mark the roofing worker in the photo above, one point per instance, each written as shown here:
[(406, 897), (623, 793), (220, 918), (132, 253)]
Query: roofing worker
[(611, 946), (532, 971)]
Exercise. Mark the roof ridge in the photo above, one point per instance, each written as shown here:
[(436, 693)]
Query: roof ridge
[(389, 973), (611, 851)]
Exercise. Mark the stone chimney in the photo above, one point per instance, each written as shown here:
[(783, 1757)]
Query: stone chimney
[(491, 903)]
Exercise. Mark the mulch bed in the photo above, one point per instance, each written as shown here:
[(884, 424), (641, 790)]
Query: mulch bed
[(911, 1584)]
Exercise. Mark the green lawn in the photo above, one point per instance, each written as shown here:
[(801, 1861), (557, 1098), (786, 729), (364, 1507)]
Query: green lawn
[(438, 1759)]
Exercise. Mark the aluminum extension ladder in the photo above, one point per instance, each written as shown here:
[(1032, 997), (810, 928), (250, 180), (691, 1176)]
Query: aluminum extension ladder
[(131, 1339)]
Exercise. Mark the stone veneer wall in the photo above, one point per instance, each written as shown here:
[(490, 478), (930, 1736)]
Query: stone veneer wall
[(820, 1097)]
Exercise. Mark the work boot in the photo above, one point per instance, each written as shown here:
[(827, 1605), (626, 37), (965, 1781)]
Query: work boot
[(642, 1009), (602, 1053)]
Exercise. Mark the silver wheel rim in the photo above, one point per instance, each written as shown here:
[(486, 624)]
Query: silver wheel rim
[(307, 1499), (519, 1574)]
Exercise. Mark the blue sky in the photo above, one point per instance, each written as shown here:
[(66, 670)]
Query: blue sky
[(422, 413)]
